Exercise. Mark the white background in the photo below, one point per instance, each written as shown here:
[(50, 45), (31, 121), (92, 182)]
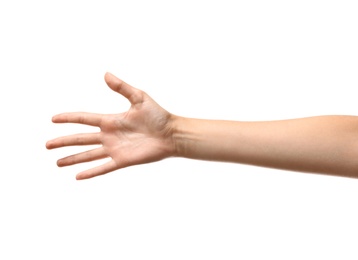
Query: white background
[(237, 60)]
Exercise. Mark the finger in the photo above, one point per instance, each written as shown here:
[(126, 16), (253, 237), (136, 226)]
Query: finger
[(77, 139), (87, 156), (79, 118), (123, 88), (99, 170)]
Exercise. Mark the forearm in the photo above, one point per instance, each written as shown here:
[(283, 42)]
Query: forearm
[(324, 144)]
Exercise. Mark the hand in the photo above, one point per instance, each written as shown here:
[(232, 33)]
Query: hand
[(143, 134)]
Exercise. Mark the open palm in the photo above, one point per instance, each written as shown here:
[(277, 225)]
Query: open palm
[(143, 134)]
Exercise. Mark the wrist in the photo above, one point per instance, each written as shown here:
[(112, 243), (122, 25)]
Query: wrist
[(179, 135)]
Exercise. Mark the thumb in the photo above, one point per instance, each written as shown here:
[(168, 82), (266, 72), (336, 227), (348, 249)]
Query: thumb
[(121, 87)]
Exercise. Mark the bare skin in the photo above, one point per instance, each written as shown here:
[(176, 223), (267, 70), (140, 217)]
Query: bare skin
[(141, 135), (148, 133)]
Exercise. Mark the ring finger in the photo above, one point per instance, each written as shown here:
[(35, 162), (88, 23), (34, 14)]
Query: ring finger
[(87, 156)]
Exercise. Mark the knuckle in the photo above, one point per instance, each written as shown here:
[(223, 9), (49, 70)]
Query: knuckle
[(138, 96)]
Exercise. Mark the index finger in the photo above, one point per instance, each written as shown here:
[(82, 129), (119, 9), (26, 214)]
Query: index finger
[(79, 118)]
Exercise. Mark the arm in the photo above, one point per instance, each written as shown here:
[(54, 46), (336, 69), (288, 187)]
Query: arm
[(148, 133), (322, 144)]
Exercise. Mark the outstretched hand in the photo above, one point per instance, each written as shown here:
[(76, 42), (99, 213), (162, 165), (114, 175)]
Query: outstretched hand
[(143, 134)]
